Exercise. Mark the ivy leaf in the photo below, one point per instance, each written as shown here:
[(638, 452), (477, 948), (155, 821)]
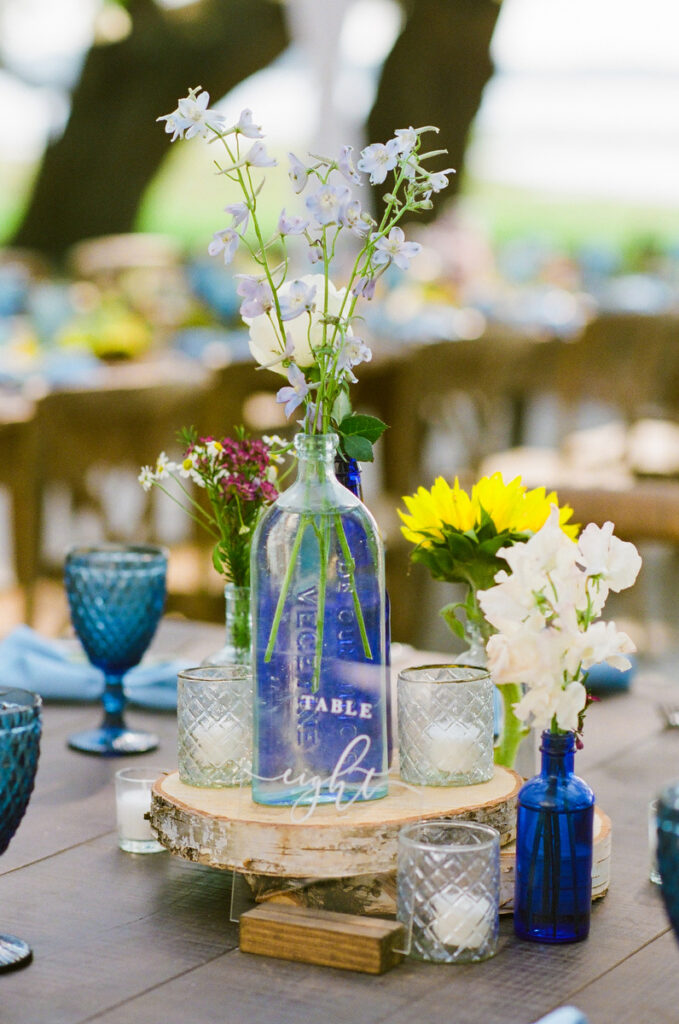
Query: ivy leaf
[(357, 447), (369, 427)]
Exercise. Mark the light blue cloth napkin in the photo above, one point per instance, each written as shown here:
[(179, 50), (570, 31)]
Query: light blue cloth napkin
[(31, 662), (564, 1015)]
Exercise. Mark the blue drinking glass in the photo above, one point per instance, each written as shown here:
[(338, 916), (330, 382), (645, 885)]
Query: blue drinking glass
[(20, 727), (116, 594), (668, 851)]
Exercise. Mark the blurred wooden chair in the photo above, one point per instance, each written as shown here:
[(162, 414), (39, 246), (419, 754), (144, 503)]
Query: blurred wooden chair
[(18, 476), (619, 360), (85, 436)]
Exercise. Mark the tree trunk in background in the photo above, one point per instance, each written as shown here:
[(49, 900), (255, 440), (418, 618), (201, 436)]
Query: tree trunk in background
[(436, 74), (92, 178)]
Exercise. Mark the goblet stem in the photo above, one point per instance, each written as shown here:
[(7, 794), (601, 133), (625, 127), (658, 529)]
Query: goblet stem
[(113, 700)]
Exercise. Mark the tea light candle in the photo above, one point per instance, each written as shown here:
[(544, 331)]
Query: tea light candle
[(132, 804), (452, 748), (461, 920), (133, 801), (213, 746)]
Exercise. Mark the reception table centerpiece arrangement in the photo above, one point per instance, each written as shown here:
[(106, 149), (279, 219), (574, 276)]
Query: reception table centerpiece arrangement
[(546, 612), (461, 538), (238, 476), (317, 562)]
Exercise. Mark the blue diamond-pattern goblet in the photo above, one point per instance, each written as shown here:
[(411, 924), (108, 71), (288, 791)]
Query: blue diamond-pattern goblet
[(116, 594), (20, 727)]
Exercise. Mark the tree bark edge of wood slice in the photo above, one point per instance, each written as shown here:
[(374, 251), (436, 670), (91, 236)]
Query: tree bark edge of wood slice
[(225, 829)]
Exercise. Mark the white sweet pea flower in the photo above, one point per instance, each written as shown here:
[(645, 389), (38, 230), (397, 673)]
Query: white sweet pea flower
[(304, 333), (602, 641), (246, 126), (226, 242), (379, 158), (298, 173), (326, 203), (607, 558), (537, 707), (257, 156), (568, 704), (299, 298), (395, 249)]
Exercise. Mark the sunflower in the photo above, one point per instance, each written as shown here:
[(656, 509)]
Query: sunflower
[(458, 535)]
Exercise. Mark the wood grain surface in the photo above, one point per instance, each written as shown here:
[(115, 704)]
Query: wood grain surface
[(125, 939)]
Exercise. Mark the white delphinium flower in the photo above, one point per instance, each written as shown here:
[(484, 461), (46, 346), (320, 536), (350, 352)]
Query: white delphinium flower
[(326, 203), (292, 395), (192, 117), (246, 126), (298, 299), (240, 213), (257, 156), (395, 249), (305, 333), (226, 242), (298, 173), (378, 159)]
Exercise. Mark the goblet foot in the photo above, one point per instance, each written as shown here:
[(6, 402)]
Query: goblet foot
[(113, 741), (14, 953)]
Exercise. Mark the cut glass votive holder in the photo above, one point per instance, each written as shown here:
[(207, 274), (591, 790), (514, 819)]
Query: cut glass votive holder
[(133, 803), (445, 725), (449, 890), (214, 722)]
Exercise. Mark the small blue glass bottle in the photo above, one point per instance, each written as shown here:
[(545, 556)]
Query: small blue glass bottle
[(553, 875), (320, 677)]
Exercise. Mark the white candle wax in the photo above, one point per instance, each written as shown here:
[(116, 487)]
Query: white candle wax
[(452, 748), (461, 920), (214, 745), (132, 804)]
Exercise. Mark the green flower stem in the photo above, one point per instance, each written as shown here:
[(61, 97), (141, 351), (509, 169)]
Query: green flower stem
[(351, 565), (322, 534), (304, 522), (512, 730)]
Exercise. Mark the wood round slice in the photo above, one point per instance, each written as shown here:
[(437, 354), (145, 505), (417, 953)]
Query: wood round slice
[(226, 829)]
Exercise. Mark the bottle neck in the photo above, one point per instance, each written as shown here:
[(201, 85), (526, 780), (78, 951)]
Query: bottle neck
[(558, 753), (316, 457)]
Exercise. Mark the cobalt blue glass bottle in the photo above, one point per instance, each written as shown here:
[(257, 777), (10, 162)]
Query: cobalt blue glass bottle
[(553, 875), (348, 472), (318, 622)]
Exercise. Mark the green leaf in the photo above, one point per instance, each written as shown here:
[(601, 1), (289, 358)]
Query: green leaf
[(369, 427), (357, 447)]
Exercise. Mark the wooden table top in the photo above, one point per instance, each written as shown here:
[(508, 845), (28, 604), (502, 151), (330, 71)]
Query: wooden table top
[(121, 939)]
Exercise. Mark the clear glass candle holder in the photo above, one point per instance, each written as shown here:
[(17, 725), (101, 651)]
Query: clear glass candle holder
[(214, 722), (449, 890), (445, 725), (133, 802)]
